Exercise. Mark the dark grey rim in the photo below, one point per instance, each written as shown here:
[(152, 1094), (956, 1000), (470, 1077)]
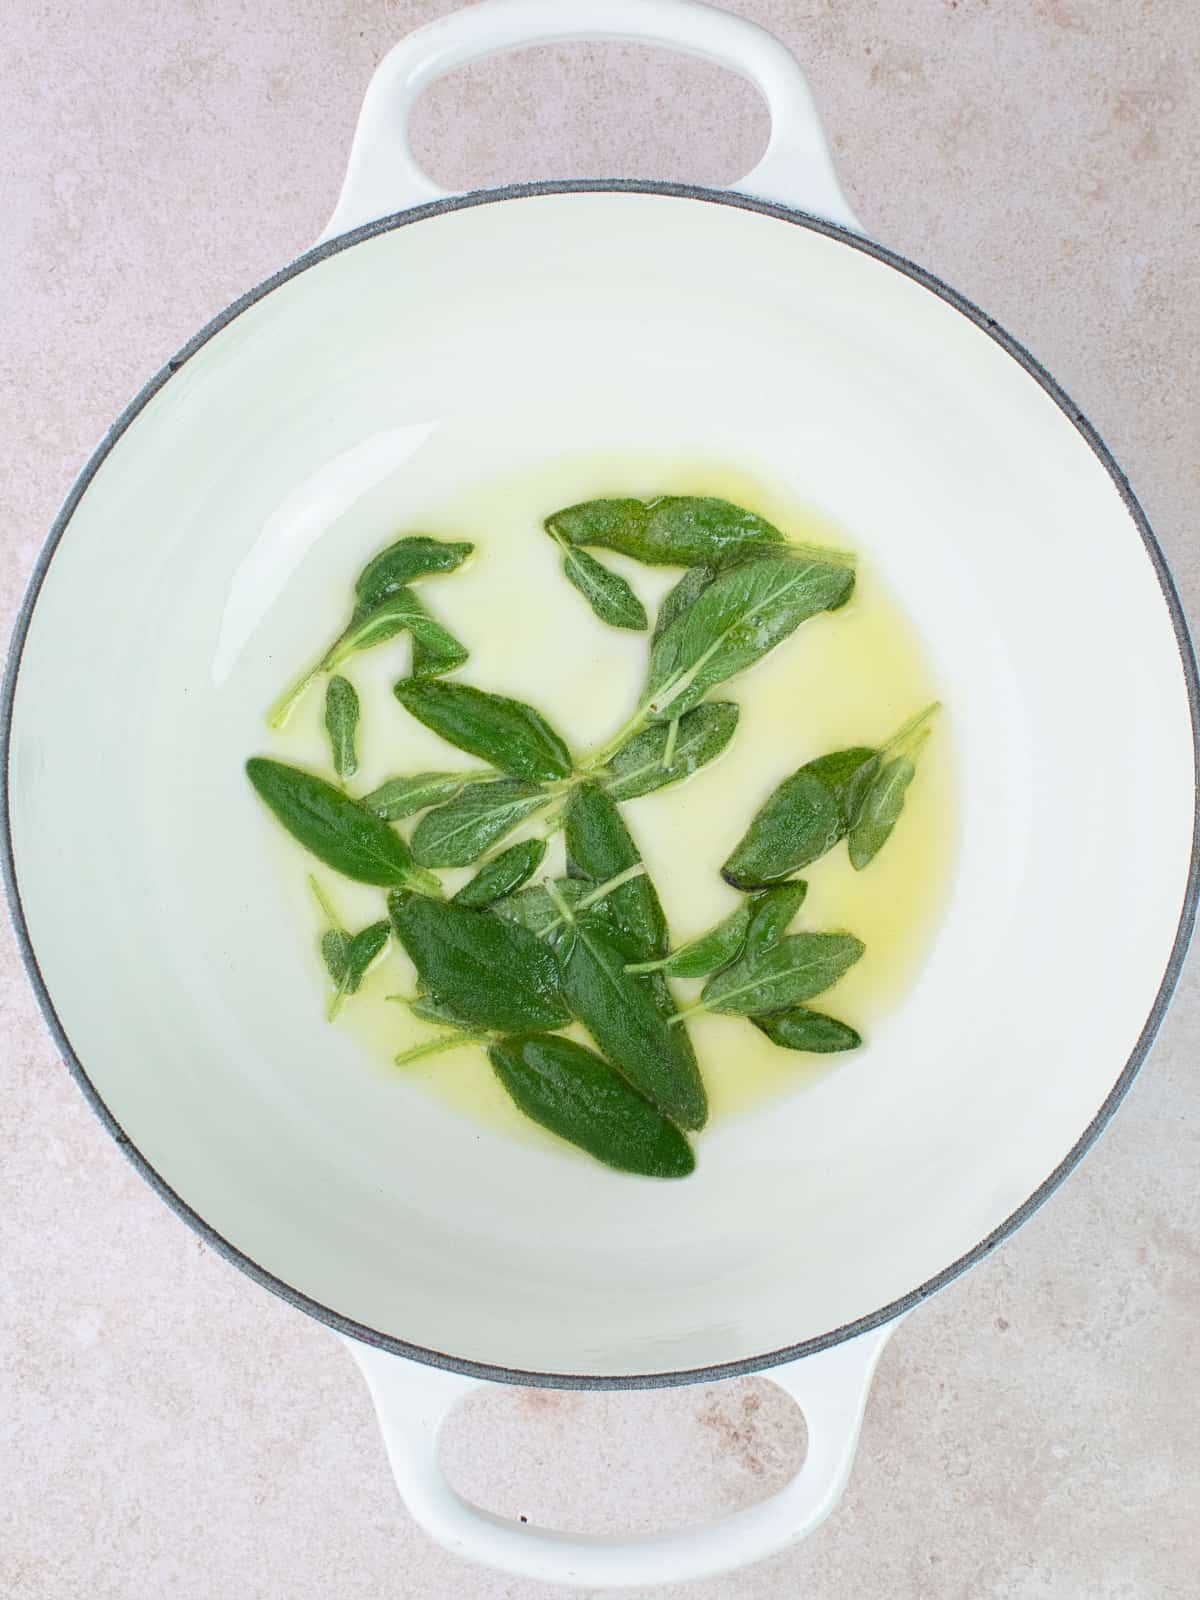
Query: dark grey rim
[(435, 1358)]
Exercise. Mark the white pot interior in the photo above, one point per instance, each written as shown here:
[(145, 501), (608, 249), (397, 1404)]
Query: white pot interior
[(351, 401)]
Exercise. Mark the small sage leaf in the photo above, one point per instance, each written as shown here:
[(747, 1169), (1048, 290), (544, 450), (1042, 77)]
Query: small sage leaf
[(671, 531), (508, 734), (488, 971), (801, 1029), (435, 650), (771, 913), (881, 811), (608, 594), (576, 1094), (639, 767), (403, 797), (337, 830), (341, 723), (460, 831), (416, 556), (709, 953), (502, 875), (787, 973), (534, 907)]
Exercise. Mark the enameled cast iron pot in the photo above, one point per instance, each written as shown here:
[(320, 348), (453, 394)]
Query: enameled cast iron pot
[(431, 335)]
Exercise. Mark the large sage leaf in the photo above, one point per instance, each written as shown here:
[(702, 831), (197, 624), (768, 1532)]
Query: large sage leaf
[(803, 818), (502, 875), (745, 612), (458, 833), (337, 830), (801, 1029), (487, 971), (710, 952), (641, 765), (508, 734), (600, 847), (416, 556), (625, 1016), (575, 1094), (608, 594), (341, 723), (403, 797), (671, 531), (787, 973)]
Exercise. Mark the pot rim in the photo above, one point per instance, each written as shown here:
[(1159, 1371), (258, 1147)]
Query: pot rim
[(334, 1319)]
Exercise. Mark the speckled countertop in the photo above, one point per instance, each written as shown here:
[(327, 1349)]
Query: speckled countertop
[(168, 1428)]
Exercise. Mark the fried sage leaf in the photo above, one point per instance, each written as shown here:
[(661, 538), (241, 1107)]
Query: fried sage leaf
[(608, 594), (744, 613), (802, 1029), (346, 955), (599, 848), (341, 724), (575, 1094), (459, 832), (670, 531), (403, 797), (710, 952), (677, 600), (625, 1017), (641, 766), (771, 912), (339, 831), (435, 650), (489, 972), (787, 973), (502, 875), (508, 734), (416, 556)]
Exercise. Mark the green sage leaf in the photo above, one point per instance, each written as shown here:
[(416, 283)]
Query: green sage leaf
[(710, 952), (488, 971), (608, 594), (459, 832), (744, 613), (508, 734), (600, 847), (416, 556), (337, 830), (677, 600), (787, 973), (881, 811), (435, 650), (670, 531), (801, 1029), (574, 1093), (348, 956), (502, 875), (341, 723), (639, 766), (771, 913), (403, 797)]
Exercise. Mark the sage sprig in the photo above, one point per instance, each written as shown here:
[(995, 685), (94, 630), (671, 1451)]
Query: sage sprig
[(384, 607)]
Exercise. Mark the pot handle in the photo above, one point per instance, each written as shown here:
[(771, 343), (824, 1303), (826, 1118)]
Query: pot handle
[(414, 1401), (383, 176)]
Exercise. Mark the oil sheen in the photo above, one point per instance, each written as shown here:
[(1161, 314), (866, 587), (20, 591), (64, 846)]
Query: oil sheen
[(847, 678)]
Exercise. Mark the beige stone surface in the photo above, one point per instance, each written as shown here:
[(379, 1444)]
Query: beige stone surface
[(166, 1428)]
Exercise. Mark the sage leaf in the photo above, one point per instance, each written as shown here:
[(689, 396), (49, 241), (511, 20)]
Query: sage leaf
[(508, 734), (639, 766), (797, 824), (745, 612), (884, 800), (502, 874), (670, 531), (435, 650), (771, 913), (787, 973), (488, 971), (608, 594), (534, 907), (600, 847), (339, 831), (801, 1029), (677, 600), (625, 1017), (576, 1094), (403, 797), (348, 956), (460, 831), (341, 722), (881, 811), (709, 953), (416, 556)]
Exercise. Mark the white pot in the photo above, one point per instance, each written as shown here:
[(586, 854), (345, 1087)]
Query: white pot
[(280, 446)]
